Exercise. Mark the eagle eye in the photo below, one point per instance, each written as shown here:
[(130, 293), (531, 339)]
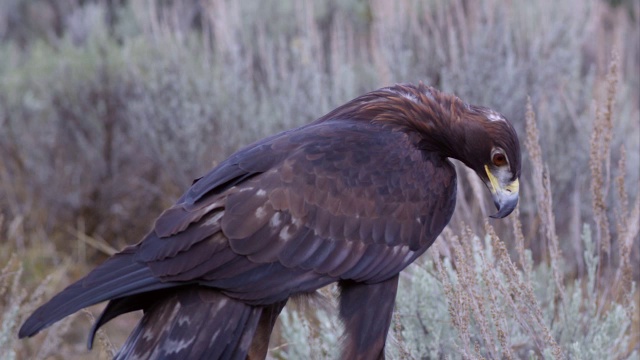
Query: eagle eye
[(499, 159)]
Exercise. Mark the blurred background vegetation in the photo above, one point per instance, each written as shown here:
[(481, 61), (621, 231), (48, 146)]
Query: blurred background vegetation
[(109, 109)]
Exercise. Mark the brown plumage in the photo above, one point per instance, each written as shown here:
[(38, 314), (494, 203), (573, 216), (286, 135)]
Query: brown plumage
[(353, 198)]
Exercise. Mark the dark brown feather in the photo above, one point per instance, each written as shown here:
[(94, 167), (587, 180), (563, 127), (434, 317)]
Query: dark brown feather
[(193, 323)]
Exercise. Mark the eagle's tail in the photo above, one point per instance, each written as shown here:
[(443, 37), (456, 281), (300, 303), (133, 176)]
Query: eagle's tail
[(193, 323)]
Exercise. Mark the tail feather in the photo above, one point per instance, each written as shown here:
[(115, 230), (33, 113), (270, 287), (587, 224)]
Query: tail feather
[(193, 323), (117, 277), (117, 307)]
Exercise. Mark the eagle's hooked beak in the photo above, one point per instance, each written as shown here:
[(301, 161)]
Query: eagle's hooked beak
[(505, 195)]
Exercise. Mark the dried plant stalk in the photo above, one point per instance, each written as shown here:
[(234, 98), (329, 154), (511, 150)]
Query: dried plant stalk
[(624, 273), (542, 188), (520, 292), (550, 227), (520, 246), (600, 158)]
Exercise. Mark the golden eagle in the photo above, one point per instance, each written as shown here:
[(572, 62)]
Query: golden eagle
[(353, 197)]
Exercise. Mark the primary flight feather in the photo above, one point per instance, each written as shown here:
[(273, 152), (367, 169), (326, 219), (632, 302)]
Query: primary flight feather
[(353, 197)]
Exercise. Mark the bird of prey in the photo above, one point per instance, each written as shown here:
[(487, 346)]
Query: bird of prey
[(353, 197)]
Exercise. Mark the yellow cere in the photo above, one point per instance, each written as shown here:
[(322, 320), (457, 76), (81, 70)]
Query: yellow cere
[(494, 181), (513, 187)]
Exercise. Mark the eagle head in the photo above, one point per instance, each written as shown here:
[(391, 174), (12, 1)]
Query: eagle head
[(491, 148)]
